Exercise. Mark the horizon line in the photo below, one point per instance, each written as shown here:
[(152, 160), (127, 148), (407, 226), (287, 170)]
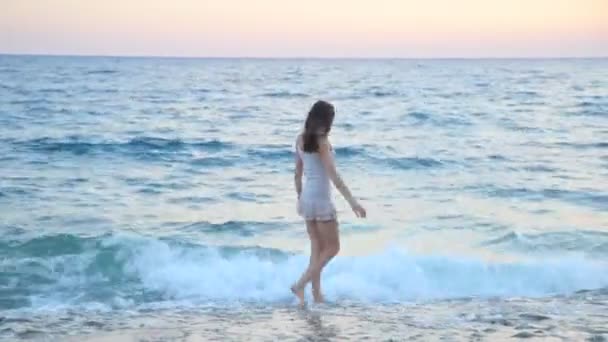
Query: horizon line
[(295, 57)]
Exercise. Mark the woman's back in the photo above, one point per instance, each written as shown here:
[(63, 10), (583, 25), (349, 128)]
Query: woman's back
[(317, 182)]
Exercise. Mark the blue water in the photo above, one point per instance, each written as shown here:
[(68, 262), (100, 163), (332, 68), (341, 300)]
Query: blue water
[(126, 182)]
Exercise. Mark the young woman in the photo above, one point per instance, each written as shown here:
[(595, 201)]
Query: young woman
[(315, 161)]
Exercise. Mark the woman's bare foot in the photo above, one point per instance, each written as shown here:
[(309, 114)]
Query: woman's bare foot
[(299, 293)]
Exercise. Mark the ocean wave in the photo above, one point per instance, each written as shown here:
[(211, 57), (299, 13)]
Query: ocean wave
[(590, 103), (351, 151), (409, 163), (271, 153), (284, 94), (594, 199), (213, 162), (139, 144), (287, 152), (102, 72), (114, 270), (14, 190), (592, 106), (249, 197), (537, 168), (592, 242), (419, 118), (155, 145), (35, 102), (380, 92), (239, 228), (152, 148), (583, 146), (52, 91), (525, 93)]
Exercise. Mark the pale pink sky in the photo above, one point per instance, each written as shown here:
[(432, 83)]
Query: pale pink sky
[(310, 28)]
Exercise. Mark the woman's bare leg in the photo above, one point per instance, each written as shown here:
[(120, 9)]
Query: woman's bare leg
[(315, 251), (326, 234), (330, 241), (316, 276)]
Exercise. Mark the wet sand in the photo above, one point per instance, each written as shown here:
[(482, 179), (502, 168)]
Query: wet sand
[(580, 317)]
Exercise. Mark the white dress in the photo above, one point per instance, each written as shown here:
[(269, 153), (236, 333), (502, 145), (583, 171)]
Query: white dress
[(315, 202)]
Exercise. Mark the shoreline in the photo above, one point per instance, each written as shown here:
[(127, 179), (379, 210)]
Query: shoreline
[(579, 317)]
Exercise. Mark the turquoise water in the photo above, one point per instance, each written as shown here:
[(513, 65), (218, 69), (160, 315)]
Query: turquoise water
[(135, 183)]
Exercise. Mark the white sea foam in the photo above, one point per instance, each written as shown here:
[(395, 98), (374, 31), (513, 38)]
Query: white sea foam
[(392, 275)]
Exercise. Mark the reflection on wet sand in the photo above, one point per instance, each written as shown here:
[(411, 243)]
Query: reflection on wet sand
[(318, 331)]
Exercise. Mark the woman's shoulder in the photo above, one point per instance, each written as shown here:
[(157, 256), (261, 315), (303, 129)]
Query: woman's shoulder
[(323, 139), (324, 143)]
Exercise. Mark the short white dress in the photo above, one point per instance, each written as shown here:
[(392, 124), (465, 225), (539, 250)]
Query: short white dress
[(315, 202)]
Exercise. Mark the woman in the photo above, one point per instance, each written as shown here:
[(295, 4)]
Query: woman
[(315, 161)]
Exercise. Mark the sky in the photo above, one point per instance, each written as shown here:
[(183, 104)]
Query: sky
[(306, 28)]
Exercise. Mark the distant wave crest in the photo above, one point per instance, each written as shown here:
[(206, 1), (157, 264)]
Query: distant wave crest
[(138, 144)]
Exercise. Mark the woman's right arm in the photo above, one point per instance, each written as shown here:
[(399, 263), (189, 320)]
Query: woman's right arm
[(327, 159)]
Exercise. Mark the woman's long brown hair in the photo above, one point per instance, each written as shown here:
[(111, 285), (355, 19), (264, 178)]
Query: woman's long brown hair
[(318, 123)]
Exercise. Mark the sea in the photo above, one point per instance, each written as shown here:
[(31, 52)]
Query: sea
[(152, 199)]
